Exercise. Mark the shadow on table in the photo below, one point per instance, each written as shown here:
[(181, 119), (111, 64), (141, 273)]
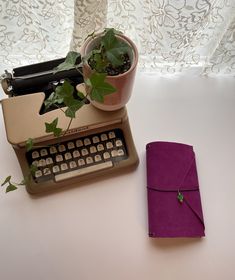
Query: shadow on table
[(169, 243)]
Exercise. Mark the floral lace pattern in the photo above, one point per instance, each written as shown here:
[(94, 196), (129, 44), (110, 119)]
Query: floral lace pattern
[(89, 17), (177, 36), (172, 35), (33, 31), (223, 59)]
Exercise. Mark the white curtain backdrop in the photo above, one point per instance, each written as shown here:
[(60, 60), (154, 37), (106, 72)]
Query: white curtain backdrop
[(179, 35), (173, 36), (34, 30)]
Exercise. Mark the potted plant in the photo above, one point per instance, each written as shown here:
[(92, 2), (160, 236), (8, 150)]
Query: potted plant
[(108, 63), (115, 56)]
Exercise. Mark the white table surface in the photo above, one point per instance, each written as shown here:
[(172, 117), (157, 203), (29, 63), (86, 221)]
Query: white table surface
[(99, 231)]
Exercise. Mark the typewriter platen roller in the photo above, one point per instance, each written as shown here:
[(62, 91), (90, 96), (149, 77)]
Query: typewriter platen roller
[(39, 77)]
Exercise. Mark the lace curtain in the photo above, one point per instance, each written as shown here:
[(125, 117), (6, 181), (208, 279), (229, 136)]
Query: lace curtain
[(173, 36), (34, 30), (179, 35)]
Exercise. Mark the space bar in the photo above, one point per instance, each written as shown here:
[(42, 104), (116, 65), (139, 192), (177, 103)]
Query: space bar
[(83, 171)]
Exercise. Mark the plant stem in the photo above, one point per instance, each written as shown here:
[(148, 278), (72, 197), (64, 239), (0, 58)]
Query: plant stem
[(78, 69), (70, 121), (59, 107)]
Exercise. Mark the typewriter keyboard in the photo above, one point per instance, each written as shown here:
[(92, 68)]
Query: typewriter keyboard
[(78, 156)]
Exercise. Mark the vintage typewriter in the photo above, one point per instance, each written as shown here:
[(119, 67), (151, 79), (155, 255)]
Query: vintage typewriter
[(98, 143)]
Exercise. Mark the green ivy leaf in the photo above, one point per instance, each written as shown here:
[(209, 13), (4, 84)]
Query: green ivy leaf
[(29, 144), (98, 63), (52, 99), (52, 127), (99, 88), (117, 32), (65, 92), (73, 108), (7, 180), (10, 188), (88, 82), (114, 48), (115, 55), (71, 57), (81, 95), (109, 40), (69, 63), (33, 168), (95, 95)]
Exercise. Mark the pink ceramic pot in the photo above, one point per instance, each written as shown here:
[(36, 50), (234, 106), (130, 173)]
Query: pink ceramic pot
[(123, 82)]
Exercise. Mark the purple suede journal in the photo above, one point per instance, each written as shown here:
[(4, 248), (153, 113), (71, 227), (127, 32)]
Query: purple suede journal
[(174, 203)]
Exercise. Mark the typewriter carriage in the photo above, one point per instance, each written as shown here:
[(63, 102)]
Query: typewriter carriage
[(43, 77)]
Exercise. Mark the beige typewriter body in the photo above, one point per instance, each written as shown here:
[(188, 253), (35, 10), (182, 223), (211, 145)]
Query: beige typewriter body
[(23, 121)]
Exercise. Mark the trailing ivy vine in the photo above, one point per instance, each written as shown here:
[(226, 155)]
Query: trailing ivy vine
[(110, 53)]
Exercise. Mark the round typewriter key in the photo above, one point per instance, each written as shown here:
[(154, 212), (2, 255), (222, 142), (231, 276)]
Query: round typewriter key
[(97, 158), (59, 158), (70, 145), (35, 163), (81, 162), (49, 161), (93, 149), (46, 171), (53, 150), (87, 141), (79, 143), (55, 169), (112, 135), (35, 154), (42, 162), (121, 152), (84, 152), (43, 152), (119, 143), (103, 137), (68, 156), (72, 164), (106, 155), (38, 173), (109, 145), (114, 153), (95, 139), (89, 160), (76, 154), (61, 148), (64, 166), (100, 147)]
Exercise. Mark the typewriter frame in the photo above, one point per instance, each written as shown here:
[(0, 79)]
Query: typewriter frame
[(23, 121)]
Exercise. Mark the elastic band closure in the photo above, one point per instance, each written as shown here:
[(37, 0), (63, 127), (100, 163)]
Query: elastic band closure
[(173, 190)]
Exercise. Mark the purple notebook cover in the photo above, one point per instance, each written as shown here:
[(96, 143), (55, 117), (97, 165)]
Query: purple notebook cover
[(174, 203)]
